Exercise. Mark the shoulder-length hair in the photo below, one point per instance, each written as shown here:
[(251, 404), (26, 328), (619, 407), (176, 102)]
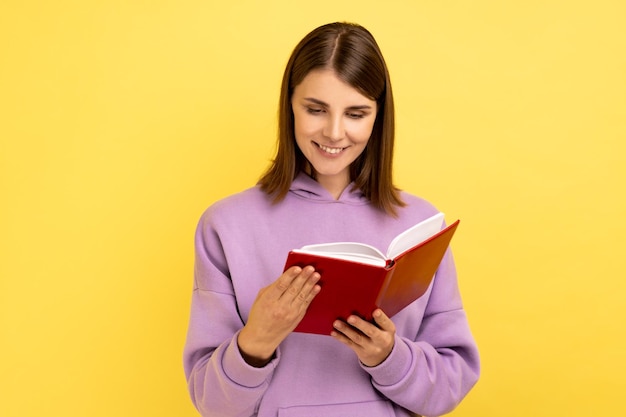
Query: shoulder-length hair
[(353, 54)]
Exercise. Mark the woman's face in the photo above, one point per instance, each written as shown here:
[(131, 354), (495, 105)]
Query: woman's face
[(333, 123)]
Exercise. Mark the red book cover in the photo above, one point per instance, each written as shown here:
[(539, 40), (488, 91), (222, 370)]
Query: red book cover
[(352, 286)]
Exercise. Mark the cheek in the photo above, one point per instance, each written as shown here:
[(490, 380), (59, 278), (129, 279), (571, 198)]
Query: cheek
[(303, 133), (303, 126), (363, 132)]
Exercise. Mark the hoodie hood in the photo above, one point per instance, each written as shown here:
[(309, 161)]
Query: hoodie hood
[(306, 187)]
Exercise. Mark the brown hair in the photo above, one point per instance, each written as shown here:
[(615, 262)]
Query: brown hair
[(353, 54)]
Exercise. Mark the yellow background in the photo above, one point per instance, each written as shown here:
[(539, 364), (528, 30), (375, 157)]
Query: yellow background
[(121, 121)]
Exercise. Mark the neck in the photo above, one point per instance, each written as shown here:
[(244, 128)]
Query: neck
[(334, 185)]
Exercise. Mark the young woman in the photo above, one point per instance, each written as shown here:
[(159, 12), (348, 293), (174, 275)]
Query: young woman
[(330, 181)]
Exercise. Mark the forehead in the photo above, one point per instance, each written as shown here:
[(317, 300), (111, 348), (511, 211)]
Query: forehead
[(325, 85)]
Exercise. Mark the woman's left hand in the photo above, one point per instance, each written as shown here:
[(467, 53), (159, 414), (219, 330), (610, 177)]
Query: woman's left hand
[(371, 344)]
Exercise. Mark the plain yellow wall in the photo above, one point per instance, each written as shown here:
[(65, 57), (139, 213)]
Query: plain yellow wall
[(120, 122)]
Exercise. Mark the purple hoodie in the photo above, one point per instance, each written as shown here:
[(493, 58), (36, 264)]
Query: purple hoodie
[(241, 246)]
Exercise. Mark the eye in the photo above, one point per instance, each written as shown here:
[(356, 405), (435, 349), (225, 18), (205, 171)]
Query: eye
[(353, 115), (314, 110)]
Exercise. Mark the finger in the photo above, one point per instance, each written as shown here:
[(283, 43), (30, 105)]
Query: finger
[(294, 288), (316, 290), (365, 327), (308, 290), (348, 334), (338, 335), (383, 321), (284, 281)]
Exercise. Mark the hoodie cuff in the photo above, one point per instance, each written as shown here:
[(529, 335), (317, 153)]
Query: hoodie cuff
[(394, 368), (243, 374)]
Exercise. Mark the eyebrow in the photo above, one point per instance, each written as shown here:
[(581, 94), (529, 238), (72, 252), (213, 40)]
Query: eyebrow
[(321, 103)]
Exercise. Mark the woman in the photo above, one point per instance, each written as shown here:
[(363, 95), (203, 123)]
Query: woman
[(330, 181)]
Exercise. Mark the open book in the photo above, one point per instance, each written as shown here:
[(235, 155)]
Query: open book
[(357, 278)]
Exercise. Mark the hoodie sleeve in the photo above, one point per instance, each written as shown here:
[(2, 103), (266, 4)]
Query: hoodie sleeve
[(433, 373), (220, 381)]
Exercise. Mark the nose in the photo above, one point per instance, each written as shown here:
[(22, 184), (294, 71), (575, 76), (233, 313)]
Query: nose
[(334, 129)]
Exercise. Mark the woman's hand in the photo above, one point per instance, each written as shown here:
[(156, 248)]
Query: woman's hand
[(371, 344), (276, 311)]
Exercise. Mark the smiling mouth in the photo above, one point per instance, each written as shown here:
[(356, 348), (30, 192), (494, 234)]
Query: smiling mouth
[(332, 151)]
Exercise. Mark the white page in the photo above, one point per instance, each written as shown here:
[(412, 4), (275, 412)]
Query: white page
[(350, 256), (362, 252), (344, 247), (416, 234)]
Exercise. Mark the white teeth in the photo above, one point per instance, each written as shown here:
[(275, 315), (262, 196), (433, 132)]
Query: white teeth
[(330, 150)]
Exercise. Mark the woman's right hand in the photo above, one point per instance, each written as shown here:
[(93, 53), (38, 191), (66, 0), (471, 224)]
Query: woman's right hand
[(276, 311)]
